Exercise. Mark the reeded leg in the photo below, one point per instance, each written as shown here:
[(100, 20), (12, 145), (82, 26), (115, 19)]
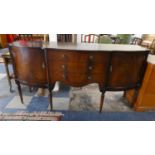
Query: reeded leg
[(20, 92), (101, 101), (50, 98)]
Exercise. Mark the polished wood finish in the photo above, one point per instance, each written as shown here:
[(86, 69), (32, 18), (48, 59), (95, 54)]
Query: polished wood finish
[(126, 70), (146, 96), (77, 68), (110, 65), (113, 67), (29, 67)]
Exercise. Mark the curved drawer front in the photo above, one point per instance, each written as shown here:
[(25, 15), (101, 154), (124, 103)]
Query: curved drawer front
[(77, 79), (78, 68), (73, 56)]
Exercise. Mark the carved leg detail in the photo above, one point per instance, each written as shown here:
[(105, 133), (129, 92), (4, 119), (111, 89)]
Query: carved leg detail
[(101, 101), (20, 92)]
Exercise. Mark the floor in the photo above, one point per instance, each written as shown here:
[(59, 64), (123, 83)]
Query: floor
[(66, 99)]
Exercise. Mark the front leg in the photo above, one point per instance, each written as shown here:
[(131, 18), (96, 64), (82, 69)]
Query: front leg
[(101, 101), (50, 88)]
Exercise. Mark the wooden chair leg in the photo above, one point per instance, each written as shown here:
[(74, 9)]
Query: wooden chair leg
[(50, 98), (20, 92), (101, 101)]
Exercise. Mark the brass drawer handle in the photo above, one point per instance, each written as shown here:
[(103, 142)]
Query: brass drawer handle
[(89, 77), (91, 57), (64, 76), (63, 55), (63, 66), (111, 68), (43, 65), (90, 67)]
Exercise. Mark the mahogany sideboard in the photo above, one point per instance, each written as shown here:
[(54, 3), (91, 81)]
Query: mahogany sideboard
[(114, 67)]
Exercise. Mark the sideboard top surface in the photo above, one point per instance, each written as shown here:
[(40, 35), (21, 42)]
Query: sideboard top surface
[(81, 46)]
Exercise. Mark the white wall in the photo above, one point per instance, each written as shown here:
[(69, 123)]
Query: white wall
[(53, 37)]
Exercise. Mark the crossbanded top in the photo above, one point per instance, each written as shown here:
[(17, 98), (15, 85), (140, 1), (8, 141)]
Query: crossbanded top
[(82, 46)]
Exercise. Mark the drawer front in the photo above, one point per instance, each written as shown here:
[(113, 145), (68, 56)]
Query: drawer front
[(77, 80), (78, 68), (72, 56)]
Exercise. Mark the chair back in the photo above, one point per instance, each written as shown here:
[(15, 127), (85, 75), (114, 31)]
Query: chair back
[(153, 45), (136, 41), (89, 38), (104, 39), (29, 65)]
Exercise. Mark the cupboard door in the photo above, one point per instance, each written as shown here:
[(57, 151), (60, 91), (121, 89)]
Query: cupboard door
[(126, 70), (29, 65)]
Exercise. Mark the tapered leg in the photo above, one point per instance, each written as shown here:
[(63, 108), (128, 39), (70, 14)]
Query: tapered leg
[(20, 92), (101, 101), (135, 96), (50, 98), (124, 94)]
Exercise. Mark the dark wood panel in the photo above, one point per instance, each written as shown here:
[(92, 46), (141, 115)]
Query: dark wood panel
[(113, 67), (126, 70), (29, 65), (76, 68)]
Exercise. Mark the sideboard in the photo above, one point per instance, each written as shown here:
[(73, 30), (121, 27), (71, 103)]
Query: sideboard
[(114, 67)]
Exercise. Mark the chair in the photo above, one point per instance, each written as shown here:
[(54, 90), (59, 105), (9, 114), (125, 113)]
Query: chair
[(124, 38), (29, 66), (152, 47), (89, 38), (104, 39), (136, 41)]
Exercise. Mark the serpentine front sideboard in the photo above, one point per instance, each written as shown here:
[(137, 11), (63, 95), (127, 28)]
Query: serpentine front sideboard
[(113, 67)]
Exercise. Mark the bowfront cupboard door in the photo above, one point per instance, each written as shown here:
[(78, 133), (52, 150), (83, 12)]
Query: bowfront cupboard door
[(126, 70), (29, 65), (77, 68)]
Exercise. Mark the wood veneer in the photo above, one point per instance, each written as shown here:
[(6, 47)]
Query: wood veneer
[(113, 67)]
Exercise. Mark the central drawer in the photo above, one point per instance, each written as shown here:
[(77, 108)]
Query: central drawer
[(73, 56), (78, 67)]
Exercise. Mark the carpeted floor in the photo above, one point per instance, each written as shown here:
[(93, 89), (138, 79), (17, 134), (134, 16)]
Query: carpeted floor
[(75, 103)]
